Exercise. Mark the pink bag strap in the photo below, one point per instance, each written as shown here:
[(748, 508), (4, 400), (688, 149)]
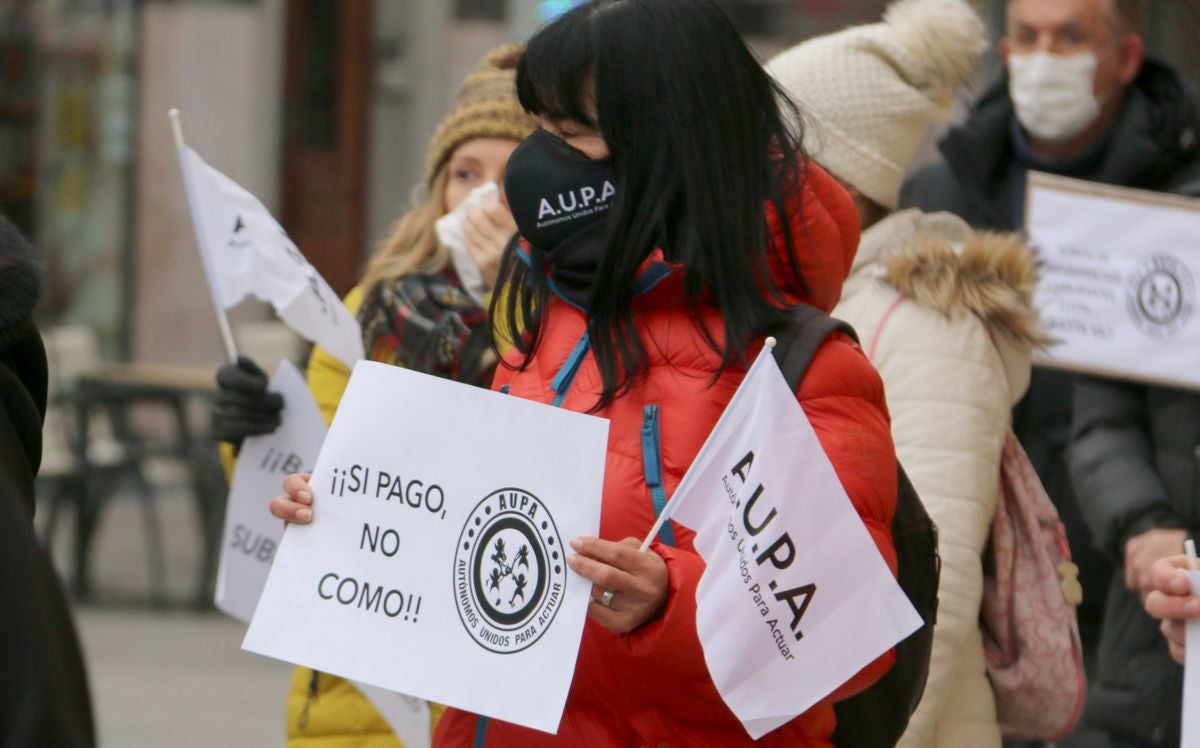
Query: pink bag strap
[(1000, 353), (882, 322)]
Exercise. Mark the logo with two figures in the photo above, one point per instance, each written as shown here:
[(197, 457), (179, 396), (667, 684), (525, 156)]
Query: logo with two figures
[(509, 571), (1161, 295)]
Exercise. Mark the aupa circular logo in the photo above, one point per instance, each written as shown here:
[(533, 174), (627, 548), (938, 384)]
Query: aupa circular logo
[(509, 571), (1161, 295)]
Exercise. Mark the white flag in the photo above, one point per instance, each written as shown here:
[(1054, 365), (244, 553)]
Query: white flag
[(795, 598), (246, 252), (251, 532)]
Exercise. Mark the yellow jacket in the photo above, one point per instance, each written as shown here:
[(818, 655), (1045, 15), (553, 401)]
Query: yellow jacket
[(327, 376), (325, 711)]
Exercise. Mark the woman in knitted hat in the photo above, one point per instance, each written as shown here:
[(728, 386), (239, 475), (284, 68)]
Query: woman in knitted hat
[(422, 300), (422, 305), (944, 313), (670, 221)]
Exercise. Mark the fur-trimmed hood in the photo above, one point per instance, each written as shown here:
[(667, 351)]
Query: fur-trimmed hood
[(19, 279), (940, 263), (991, 276)]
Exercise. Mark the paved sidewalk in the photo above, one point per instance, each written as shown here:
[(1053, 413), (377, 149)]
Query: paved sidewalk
[(179, 680), (174, 677)]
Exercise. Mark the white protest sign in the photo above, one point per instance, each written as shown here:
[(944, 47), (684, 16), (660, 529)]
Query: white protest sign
[(795, 598), (251, 533), (1191, 672), (246, 252), (1117, 279), (435, 565)]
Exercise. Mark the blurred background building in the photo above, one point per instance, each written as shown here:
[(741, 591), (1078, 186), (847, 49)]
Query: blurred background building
[(322, 108)]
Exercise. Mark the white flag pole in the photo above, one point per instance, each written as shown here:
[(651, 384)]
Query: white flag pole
[(669, 509), (222, 318)]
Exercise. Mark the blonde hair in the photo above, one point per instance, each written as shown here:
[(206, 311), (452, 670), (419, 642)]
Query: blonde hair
[(486, 107), (412, 245)]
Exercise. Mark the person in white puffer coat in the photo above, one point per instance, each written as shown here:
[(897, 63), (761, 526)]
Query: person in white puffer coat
[(945, 316), (943, 312)]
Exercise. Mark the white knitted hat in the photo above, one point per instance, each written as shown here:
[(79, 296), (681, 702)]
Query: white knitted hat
[(869, 93)]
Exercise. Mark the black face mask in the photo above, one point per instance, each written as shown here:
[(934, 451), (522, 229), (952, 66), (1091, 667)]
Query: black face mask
[(555, 191)]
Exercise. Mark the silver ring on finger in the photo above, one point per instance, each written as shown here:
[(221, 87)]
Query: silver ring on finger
[(606, 598)]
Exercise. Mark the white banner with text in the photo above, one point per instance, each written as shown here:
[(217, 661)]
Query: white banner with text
[(436, 562), (252, 534), (1117, 279)]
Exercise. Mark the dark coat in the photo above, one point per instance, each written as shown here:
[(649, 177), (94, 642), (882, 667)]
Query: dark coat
[(1135, 455), (43, 688), (1154, 145), (1132, 456)]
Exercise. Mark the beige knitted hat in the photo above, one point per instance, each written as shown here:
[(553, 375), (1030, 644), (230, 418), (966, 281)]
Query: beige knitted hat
[(870, 92), (486, 107)]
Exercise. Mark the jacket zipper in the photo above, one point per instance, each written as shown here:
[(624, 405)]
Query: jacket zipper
[(561, 384), (652, 466), (481, 726), (302, 721)]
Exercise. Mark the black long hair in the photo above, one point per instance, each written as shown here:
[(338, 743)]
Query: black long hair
[(700, 142)]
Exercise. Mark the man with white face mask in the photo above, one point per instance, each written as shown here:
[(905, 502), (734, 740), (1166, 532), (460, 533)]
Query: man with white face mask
[(1079, 99), (1069, 64)]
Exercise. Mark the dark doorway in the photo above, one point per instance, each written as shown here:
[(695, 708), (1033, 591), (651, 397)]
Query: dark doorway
[(325, 99)]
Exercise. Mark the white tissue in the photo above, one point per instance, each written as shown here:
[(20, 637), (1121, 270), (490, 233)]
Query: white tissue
[(450, 233)]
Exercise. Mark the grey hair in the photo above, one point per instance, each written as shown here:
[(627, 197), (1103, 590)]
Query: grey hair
[(1125, 15)]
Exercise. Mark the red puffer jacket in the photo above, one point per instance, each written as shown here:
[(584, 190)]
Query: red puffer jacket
[(651, 687)]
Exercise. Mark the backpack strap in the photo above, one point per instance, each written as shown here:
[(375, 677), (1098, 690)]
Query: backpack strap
[(879, 715), (797, 342)]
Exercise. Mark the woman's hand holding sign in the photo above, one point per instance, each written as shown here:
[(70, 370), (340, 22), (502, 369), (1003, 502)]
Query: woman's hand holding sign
[(630, 585), (296, 506)]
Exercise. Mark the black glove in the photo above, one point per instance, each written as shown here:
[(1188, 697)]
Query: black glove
[(243, 406)]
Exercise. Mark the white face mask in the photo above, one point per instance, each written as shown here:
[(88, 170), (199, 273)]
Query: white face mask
[(1053, 94)]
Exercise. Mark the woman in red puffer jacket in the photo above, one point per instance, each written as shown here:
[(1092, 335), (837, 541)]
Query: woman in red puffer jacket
[(669, 220)]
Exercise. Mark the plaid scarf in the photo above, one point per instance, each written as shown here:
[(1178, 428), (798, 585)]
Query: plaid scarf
[(427, 323)]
